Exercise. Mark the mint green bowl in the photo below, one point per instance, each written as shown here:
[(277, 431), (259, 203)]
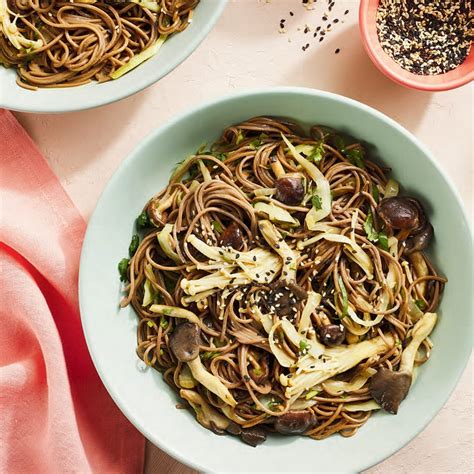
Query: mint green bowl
[(173, 52), (143, 396)]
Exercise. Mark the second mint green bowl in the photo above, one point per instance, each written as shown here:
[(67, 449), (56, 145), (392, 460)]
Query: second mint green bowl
[(111, 333)]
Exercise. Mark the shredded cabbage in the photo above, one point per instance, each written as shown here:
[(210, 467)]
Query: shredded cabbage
[(313, 347), (206, 176), (282, 357), (11, 31), (277, 242), (165, 241), (311, 304), (176, 312), (302, 404), (391, 189), (353, 250), (419, 333), (230, 267), (338, 387), (322, 187), (275, 213), (334, 361), (138, 58), (362, 406), (149, 293), (211, 382), (151, 5), (265, 319)]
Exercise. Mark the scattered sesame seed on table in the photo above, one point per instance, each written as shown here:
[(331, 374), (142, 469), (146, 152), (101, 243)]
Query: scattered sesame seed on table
[(326, 21)]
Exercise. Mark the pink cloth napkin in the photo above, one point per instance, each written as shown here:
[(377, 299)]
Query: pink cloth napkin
[(55, 414)]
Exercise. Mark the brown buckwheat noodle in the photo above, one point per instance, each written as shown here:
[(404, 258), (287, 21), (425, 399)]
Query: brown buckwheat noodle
[(84, 41), (219, 187)]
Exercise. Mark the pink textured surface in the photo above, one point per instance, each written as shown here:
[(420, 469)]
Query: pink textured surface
[(245, 51)]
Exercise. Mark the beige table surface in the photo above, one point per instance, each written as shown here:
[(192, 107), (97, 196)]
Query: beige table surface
[(245, 51)]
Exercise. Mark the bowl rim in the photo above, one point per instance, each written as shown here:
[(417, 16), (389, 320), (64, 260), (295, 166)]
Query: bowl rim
[(137, 152), (142, 82), (412, 81)]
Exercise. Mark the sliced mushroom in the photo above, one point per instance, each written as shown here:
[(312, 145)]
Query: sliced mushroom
[(421, 214), (232, 237), (332, 334), (157, 217), (234, 428), (253, 436), (420, 240), (389, 388), (184, 341), (329, 333), (290, 190), (399, 212), (206, 415), (283, 297), (295, 422)]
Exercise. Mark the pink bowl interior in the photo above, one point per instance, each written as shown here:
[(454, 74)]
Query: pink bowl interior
[(463, 74)]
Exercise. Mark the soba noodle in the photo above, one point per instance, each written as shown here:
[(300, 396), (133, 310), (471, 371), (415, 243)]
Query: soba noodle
[(68, 43), (300, 277)]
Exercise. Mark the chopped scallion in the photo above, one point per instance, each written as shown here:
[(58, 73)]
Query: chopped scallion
[(383, 240), (421, 304), (311, 394), (316, 202), (132, 248), (375, 193), (216, 225), (143, 220), (371, 233), (356, 156), (304, 346), (317, 154), (123, 269), (345, 300)]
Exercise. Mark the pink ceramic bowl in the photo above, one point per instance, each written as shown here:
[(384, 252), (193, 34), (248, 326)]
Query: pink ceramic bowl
[(463, 74)]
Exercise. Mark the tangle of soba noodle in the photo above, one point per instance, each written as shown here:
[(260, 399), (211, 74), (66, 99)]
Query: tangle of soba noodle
[(264, 319), (69, 43)]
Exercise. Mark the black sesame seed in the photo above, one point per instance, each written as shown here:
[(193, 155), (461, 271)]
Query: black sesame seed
[(337, 51)]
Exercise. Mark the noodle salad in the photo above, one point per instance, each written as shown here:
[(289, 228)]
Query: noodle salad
[(281, 283), (55, 43)]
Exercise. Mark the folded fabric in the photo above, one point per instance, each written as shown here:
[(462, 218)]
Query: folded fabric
[(55, 414)]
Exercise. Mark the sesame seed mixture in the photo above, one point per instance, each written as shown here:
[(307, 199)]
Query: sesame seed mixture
[(425, 37)]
